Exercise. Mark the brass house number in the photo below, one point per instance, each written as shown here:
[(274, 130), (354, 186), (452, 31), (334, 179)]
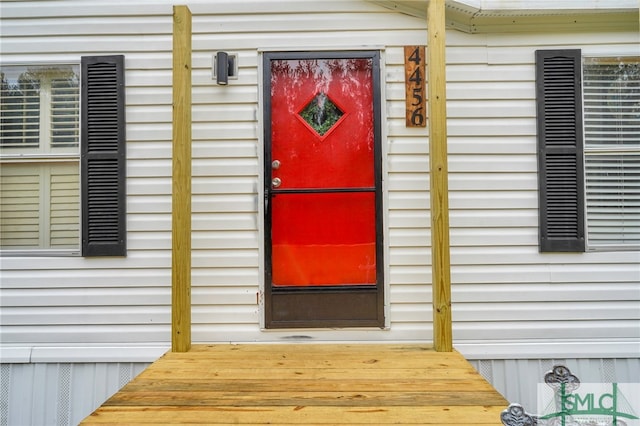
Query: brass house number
[(414, 83)]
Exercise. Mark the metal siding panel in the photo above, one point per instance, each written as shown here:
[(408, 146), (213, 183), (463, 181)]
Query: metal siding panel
[(309, 21), (85, 278), (222, 221), (233, 295), (235, 314), (545, 331), (477, 180), (491, 90), (409, 256), (225, 131), (416, 163), (78, 297), (311, 40), (411, 294), (497, 126), (490, 199), (85, 335), (408, 218), (98, 43), (491, 218), (550, 39), (517, 380), (479, 256), (411, 275), (511, 108), (225, 276), (496, 55), (225, 240), (70, 315), (60, 394), (148, 185), (554, 311), (223, 148), (494, 164), (543, 292), (409, 237), (505, 144), (96, 25), (490, 72)]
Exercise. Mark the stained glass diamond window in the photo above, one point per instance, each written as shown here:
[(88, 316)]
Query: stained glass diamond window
[(321, 113)]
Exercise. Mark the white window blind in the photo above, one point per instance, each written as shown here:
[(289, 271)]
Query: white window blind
[(39, 157), (39, 205), (64, 215), (611, 88), (19, 113), (20, 205), (64, 113)]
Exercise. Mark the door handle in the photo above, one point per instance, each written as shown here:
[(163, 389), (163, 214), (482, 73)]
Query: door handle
[(276, 182), (275, 164)]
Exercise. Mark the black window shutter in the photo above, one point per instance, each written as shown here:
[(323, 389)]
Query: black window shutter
[(103, 156), (560, 145)]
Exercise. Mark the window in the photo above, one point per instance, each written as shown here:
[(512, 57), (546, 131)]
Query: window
[(62, 158), (39, 143), (611, 88), (588, 158)]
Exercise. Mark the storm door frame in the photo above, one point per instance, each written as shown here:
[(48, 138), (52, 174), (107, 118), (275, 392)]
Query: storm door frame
[(323, 299)]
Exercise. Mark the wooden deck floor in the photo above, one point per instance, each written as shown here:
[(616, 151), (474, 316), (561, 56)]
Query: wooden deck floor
[(306, 384)]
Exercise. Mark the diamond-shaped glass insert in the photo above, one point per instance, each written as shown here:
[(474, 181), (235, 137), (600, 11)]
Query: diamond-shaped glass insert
[(321, 113)]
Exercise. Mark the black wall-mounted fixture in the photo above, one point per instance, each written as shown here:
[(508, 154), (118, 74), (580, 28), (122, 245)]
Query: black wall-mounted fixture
[(225, 67)]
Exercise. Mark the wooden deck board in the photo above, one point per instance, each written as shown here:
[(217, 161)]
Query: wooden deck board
[(306, 384)]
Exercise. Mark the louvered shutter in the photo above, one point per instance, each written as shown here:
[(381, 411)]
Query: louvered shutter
[(560, 145), (103, 156)]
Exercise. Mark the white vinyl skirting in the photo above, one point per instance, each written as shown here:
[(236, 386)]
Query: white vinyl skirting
[(65, 393)]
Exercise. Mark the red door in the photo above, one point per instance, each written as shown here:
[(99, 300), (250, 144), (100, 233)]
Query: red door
[(322, 190)]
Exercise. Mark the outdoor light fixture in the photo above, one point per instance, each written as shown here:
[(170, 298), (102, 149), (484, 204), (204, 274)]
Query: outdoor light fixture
[(225, 67)]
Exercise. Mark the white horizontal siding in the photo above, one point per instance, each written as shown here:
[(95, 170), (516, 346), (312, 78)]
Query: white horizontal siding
[(84, 334), (503, 289), (22, 299)]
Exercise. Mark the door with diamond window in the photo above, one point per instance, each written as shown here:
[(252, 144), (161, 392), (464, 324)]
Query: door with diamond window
[(323, 238)]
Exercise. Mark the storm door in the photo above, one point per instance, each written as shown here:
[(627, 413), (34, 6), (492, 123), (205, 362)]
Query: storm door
[(323, 238)]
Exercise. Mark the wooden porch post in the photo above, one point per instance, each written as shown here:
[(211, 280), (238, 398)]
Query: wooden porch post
[(181, 184), (439, 188)]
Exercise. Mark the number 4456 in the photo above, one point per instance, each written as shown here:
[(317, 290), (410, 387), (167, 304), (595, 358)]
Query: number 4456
[(414, 84)]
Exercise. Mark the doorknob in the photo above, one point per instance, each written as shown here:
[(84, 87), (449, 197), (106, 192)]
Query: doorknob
[(276, 182), (275, 164)]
